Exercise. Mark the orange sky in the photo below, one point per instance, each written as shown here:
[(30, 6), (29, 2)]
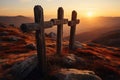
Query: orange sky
[(83, 7)]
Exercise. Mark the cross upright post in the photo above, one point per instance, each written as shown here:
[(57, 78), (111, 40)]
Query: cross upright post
[(73, 23), (40, 39), (60, 31)]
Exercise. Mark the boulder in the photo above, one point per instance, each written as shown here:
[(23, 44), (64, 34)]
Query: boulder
[(30, 46), (21, 70), (4, 33), (12, 25), (71, 60), (91, 44), (75, 74), (52, 35), (3, 25), (13, 38), (77, 44)]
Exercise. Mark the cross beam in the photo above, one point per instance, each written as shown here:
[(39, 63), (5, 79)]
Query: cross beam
[(74, 21), (58, 22), (27, 27)]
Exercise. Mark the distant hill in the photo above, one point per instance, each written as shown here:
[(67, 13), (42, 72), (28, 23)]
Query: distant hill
[(91, 35), (111, 38), (90, 24), (85, 30), (92, 28), (94, 34), (15, 20)]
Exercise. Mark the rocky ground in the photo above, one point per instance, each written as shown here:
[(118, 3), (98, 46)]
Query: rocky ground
[(16, 46)]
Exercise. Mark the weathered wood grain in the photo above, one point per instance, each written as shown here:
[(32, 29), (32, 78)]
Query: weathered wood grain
[(40, 39), (73, 23), (60, 30), (27, 27), (57, 22)]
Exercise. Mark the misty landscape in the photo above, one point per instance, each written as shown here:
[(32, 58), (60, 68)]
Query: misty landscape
[(96, 41), (87, 30)]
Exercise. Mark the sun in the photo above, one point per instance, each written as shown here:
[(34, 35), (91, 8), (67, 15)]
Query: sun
[(89, 14)]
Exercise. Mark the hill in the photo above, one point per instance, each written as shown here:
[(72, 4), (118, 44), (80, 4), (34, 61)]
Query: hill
[(92, 28), (111, 38), (94, 34), (86, 24), (94, 23), (15, 20), (16, 47)]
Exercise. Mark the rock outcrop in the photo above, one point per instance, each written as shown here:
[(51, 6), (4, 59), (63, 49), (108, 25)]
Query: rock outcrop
[(31, 46), (75, 74), (52, 35)]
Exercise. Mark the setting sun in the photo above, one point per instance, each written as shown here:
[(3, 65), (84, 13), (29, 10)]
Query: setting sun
[(89, 14)]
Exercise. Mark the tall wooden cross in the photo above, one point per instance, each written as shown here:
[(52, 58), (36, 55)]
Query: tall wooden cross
[(39, 26), (59, 22), (73, 23)]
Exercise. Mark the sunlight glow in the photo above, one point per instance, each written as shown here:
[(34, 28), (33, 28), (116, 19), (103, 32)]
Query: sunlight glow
[(89, 14)]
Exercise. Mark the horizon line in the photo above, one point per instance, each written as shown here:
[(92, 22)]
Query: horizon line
[(54, 15)]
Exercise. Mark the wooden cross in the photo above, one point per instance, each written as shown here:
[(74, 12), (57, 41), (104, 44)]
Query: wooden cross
[(59, 22), (73, 23), (39, 26)]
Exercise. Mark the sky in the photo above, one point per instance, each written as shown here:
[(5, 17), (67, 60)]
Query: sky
[(83, 7)]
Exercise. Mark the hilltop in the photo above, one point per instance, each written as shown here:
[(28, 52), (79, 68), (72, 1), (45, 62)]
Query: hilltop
[(16, 47)]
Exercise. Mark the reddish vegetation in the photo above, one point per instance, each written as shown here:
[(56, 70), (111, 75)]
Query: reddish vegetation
[(103, 60), (13, 51)]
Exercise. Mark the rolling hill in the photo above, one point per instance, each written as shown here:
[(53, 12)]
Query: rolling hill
[(94, 33), (111, 38), (86, 26), (15, 47), (15, 20)]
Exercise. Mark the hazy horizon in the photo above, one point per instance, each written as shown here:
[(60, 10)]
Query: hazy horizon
[(87, 8), (88, 11), (55, 16)]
